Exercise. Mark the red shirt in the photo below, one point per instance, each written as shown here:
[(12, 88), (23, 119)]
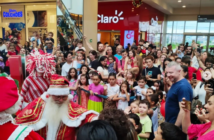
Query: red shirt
[(192, 70)]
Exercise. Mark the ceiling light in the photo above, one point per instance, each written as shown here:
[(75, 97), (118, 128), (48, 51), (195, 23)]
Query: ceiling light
[(179, 1), (34, 5), (184, 6)]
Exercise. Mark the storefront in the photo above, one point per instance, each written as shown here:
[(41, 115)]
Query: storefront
[(121, 20), (27, 18)]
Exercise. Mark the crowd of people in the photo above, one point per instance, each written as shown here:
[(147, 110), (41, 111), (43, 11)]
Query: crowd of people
[(136, 92)]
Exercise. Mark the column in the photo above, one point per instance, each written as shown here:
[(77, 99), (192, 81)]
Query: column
[(90, 11)]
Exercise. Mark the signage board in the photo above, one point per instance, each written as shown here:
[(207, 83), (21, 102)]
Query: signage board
[(13, 14), (128, 37), (205, 18)]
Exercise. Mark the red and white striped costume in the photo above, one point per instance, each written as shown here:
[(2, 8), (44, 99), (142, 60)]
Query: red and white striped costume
[(33, 88), (40, 68)]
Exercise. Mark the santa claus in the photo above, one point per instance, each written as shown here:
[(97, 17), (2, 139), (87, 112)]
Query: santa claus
[(40, 68), (10, 103), (53, 115)]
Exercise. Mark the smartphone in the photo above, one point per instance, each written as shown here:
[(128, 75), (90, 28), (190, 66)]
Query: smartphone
[(150, 73), (194, 76)]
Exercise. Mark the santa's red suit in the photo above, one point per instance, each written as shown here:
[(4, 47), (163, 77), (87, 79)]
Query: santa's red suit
[(36, 115), (10, 102)]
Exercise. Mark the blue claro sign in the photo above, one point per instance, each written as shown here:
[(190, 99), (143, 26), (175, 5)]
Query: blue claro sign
[(12, 14)]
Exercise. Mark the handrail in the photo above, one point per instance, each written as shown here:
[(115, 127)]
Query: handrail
[(68, 17)]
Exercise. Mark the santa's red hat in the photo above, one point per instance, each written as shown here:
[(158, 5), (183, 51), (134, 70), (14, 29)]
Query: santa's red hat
[(58, 86), (8, 93)]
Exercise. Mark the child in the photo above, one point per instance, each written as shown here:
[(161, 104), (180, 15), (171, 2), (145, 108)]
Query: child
[(112, 64), (80, 61), (72, 77), (153, 100), (120, 79), (84, 96), (112, 90), (135, 120), (12, 51), (133, 108), (83, 70), (94, 102), (91, 74), (145, 120), (79, 46), (168, 131), (150, 91), (1, 63), (123, 96), (50, 37), (140, 89)]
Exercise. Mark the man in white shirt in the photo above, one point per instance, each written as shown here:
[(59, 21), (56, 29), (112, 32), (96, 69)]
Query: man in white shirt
[(69, 64)]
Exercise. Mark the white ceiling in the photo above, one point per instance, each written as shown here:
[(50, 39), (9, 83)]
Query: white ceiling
[(176, 4), (189, 3)]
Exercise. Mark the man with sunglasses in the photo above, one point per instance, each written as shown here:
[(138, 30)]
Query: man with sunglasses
[(48, 47)]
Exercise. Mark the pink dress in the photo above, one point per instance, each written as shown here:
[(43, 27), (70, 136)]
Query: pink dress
[(197, 131), (72, 83), (84, 98)]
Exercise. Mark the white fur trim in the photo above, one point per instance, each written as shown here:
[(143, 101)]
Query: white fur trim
[(76, 123), (70, 96), (43, 96), (20, 133), (24, 104), (58, 91)]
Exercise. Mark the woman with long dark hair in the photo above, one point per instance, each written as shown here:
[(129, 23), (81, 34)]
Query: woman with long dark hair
[(102, 68)]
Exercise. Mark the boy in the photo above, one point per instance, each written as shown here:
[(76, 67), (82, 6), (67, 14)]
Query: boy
[(145, 120), (50, 37), (141, 89), (79, 46), (168, 131)]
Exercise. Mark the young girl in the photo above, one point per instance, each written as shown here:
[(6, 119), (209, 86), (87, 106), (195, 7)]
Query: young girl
[(94, 102), (12, 51), (91, 74), (80, 61), (130, 77), (123, 96), (84, 96), (111, 91), (120, 79), (150, 91), (112, 64), (133, 108), (72, 77), (84, 70)]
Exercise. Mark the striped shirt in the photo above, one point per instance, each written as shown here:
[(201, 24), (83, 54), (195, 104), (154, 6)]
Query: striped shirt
[(33, 88)]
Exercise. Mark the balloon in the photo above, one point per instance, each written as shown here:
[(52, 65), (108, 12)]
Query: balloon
[(162, 109)]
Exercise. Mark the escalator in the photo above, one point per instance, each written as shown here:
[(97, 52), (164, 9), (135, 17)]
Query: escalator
[(68, 21)]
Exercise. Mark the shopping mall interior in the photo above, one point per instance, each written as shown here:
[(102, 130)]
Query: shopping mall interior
[(160, 22)]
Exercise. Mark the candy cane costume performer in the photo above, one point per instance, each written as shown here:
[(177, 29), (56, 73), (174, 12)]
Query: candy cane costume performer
[(40, 68)]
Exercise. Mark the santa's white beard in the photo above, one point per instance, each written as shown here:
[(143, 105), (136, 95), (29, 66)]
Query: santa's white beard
[(54, 113)]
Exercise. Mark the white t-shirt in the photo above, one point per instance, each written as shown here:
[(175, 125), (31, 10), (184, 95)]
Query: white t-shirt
[(112, 90), (195, 62), (122, 104), (77, 48), (3, 47), (105, 71), (139, 90), (200, 92), (66, 67)]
